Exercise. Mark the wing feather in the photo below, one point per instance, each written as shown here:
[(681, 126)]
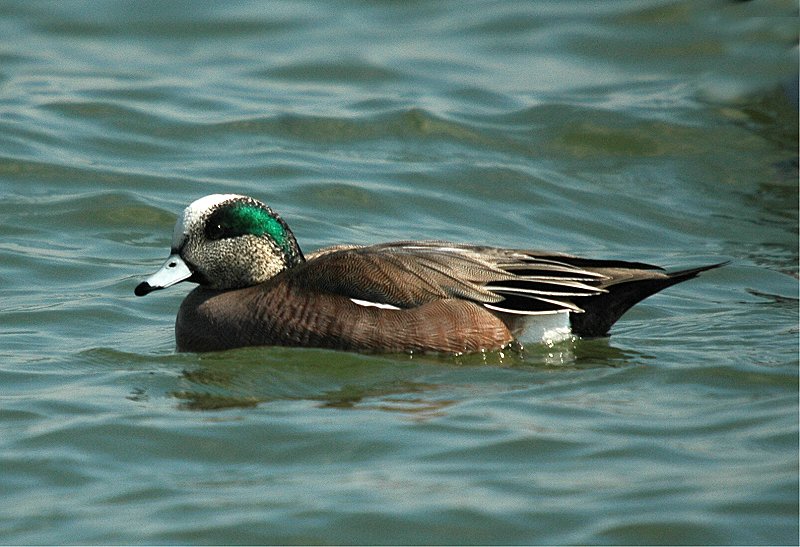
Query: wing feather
[(406, 274)]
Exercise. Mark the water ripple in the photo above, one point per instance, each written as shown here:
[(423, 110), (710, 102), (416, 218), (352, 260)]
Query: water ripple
[(547, 125)]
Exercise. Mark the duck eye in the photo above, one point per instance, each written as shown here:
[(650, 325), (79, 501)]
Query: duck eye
[(215, 230)]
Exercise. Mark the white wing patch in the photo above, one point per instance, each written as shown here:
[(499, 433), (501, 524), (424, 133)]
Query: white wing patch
[(368, 304)]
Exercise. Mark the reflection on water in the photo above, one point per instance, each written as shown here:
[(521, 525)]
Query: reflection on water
[(250, 376), (585, 127)]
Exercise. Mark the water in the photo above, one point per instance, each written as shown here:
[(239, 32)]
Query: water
[(660, 131)]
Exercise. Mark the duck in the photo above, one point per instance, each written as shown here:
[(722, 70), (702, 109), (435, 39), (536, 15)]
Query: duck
[(255, 287)]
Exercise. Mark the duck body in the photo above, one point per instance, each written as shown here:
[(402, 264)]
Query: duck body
[(257, 288), (215, 320)]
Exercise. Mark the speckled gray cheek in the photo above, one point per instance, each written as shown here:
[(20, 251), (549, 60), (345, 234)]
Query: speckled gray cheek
[(254, 259), (233, 263), (222, 264)]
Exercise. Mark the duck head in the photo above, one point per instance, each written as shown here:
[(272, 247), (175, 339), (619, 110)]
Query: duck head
[(226, 241)]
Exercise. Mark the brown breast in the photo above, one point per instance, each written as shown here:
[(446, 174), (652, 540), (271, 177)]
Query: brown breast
[(277, 313)]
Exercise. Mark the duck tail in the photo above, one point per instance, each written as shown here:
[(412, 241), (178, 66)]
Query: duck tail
[(603, 310)]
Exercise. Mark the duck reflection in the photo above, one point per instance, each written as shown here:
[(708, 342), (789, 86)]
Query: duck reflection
[(414, 384)]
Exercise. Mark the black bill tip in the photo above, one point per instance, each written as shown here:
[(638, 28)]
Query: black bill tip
[(143, 288)]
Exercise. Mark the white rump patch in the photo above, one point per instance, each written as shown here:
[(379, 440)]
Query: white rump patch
[(368, 304), (545, 328)]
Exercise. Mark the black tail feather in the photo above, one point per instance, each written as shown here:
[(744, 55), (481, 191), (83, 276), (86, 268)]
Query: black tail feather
[(603, 310)]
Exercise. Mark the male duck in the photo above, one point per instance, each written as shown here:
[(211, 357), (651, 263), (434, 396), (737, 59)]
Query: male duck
[(257, 288)]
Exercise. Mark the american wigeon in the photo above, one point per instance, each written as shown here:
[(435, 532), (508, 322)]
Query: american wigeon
[(257, 288)]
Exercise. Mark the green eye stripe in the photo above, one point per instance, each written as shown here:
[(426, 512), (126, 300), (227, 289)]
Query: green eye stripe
[(250, 219), (245, 218)]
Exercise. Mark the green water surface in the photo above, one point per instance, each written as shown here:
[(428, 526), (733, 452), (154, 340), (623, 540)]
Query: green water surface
[(663, 131)]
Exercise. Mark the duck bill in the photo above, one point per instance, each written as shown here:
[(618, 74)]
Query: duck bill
[(173, 271)]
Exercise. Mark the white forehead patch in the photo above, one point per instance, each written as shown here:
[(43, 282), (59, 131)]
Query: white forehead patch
[(194, 213)]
